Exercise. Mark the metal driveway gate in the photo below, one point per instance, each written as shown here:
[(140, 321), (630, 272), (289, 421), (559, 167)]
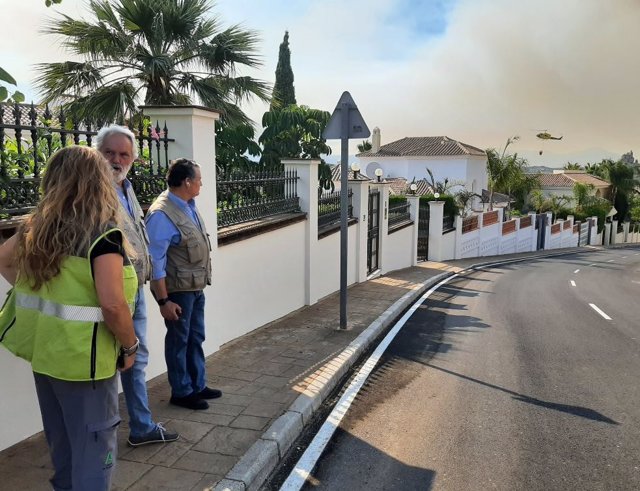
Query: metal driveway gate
[(373, 230), (541, 226), (584, 233), (423, 231)]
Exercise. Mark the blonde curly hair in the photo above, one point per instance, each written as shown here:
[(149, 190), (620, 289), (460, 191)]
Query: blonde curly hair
[(79, 202)]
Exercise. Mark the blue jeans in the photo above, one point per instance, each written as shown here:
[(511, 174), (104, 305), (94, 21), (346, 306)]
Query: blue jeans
[(183, 345), (134, 383)]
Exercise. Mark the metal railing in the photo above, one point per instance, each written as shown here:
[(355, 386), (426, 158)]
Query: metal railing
[(329, 208), (399, 214), (30, 134), (448, 223), (252, 195)]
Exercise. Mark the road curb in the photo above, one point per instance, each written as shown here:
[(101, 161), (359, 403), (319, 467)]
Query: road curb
[(264, 456)]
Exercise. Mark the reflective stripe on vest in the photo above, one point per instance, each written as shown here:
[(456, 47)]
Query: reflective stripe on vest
[(61, 311)]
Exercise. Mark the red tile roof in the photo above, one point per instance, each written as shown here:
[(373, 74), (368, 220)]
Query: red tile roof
[(567, 180), (424, 146)]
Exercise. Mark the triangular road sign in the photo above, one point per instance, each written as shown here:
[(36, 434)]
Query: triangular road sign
[(357, 127)]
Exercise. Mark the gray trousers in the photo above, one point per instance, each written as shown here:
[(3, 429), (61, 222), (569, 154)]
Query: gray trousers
[(80, 423)]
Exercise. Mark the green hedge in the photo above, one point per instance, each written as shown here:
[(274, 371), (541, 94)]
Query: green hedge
[(396, 199), (450, 206)]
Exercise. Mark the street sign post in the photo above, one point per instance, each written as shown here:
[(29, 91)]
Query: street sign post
[(346, 122)]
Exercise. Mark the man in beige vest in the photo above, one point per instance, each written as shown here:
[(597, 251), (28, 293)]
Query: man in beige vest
[(180, 252), (118, 145)]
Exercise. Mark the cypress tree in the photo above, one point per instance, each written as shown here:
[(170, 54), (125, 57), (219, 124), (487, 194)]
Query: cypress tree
[(284, 94)]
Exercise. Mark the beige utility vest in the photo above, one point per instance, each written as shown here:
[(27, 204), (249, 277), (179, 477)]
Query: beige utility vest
[(136, 233), (188, 262)]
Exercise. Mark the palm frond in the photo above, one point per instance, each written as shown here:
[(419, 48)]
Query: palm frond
[(233, 46), (69, 78)]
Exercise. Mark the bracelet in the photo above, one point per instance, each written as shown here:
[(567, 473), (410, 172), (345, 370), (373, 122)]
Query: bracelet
[(162, 301), (131, 349)]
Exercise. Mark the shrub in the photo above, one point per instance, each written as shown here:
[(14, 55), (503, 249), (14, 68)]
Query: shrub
[(450, 206)]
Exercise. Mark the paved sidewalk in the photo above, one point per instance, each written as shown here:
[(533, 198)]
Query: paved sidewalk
[(272, 379)]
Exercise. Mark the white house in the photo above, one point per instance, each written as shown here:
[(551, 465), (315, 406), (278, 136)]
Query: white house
[(411, 156), (561, 183)]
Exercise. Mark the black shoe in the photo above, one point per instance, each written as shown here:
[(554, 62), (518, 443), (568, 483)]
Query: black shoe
[(208, 393), (159, 435), (190, 402)]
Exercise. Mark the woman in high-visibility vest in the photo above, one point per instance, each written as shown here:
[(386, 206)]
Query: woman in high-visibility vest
[(71, 313)]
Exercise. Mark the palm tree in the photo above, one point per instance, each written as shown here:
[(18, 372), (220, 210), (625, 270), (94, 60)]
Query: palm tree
[(152, 51), (442, 187), (570, 166), (506, 174), (365, 146)]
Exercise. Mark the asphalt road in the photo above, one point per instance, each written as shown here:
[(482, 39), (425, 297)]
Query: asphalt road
[(505, 379)]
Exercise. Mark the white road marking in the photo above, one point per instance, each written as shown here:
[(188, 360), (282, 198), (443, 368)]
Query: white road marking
[(610, 260), (577, 271), (593, 264), (634, 281), (624, 257), (595, 307), (307, 462), (573, 283)]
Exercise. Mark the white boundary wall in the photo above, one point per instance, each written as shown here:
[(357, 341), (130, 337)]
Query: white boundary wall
[(255, 280)]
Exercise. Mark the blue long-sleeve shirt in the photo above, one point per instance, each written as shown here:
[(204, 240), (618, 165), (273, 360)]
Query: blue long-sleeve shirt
[(163, 233)]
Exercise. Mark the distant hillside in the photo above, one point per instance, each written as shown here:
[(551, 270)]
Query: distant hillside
[(542, 169)]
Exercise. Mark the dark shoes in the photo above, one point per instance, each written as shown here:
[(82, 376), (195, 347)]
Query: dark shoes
[(196, 400), (208, 393), (192, 401), (159, 435)]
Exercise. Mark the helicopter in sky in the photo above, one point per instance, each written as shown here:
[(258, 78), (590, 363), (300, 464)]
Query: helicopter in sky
[(545, 135)]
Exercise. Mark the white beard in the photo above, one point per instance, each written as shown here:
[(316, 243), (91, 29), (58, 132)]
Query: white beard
[(120, 175)]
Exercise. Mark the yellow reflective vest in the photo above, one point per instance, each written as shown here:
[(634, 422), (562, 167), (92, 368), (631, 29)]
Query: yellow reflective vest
[(60, 329)]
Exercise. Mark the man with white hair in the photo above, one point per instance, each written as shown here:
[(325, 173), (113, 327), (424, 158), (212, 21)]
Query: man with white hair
[(118, 145)]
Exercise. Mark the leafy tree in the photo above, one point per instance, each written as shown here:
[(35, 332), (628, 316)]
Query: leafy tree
[(295, 132), (292, 131), (538, 200), (582, 195), (5, 77), (365, 146), (49, 3), (557, 205), (284, 93), (235, 144), (634, 209), (623, 180), (151, 51)]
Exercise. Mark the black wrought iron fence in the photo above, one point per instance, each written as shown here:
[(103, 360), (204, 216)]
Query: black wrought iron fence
[(448, 223), (252, 195), (329, 208), (398, 214), (30, 134)]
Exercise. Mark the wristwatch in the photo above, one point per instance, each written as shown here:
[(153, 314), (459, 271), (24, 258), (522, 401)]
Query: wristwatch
[(162, 301), (131, 349)]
